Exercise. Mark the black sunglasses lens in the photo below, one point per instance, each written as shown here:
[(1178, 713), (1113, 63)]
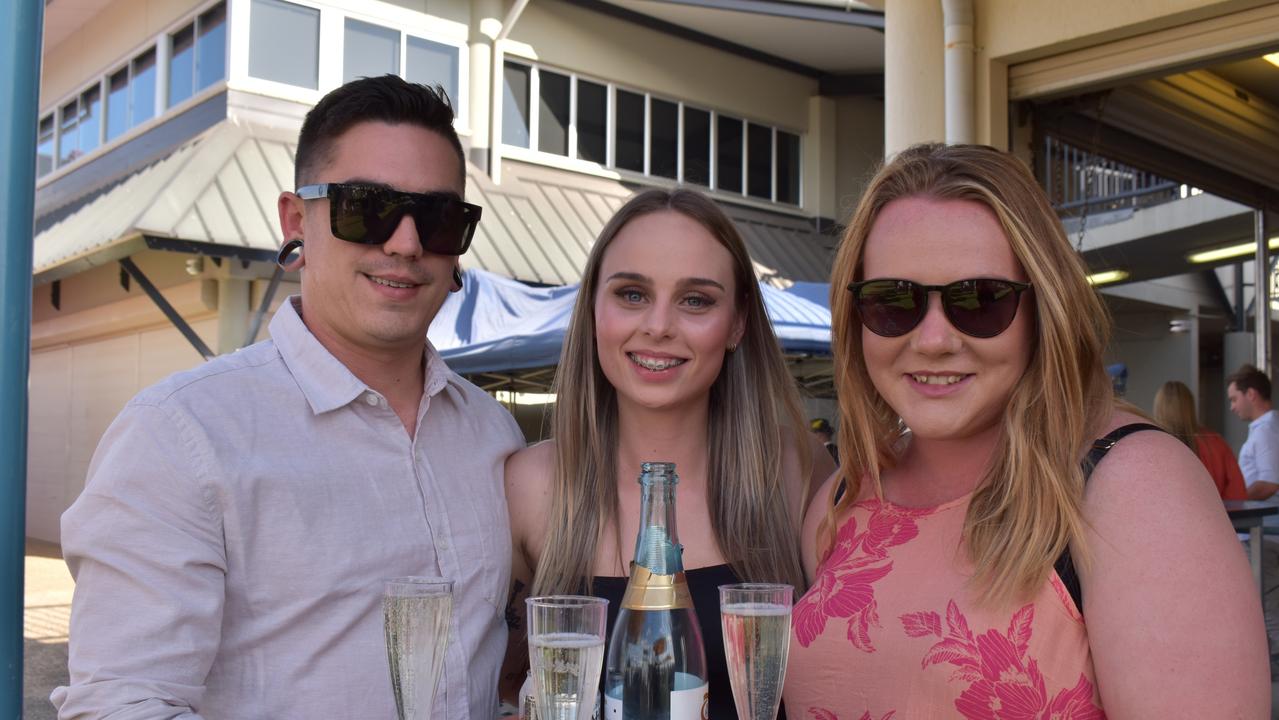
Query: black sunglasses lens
[(365, 215), (891, 307), (981, 308), (445, 224)]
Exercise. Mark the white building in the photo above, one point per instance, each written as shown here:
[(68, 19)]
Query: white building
[(167, 131)]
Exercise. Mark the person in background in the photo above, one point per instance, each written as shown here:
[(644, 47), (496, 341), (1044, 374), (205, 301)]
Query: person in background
[(825, 434), (669, 356), (1029, 549), (1249, 393), (1175, 411), (239, 519)]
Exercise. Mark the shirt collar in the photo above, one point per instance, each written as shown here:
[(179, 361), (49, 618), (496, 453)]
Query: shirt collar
[(1266, 418), (326, 383)]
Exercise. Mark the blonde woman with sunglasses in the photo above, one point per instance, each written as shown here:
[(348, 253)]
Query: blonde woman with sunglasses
[(1028, 548)]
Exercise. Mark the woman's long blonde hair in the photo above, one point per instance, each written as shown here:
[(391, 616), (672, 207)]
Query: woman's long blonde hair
[(754, 412), (1027, 509), (1175, 410)]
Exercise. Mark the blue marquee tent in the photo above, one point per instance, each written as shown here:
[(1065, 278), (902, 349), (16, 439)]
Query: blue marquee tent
[(500, 325)]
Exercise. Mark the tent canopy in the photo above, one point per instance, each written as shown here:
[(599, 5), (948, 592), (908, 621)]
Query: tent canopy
[(505, 329)]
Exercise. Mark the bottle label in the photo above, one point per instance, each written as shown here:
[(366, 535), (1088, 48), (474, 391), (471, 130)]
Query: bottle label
[(690, 704), (647, 591)]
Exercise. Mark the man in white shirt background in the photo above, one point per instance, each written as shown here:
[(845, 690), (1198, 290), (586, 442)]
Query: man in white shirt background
[(1249, 392), (239, 519)]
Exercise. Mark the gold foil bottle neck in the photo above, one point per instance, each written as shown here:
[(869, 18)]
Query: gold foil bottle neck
[(647, 591)]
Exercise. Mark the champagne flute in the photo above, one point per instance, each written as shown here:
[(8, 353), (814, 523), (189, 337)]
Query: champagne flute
[(416, 613), (565, 651), (756, 623)]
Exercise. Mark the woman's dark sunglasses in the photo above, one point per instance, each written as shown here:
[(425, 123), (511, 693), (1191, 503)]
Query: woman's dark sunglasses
[(981, 307), (369, 214)]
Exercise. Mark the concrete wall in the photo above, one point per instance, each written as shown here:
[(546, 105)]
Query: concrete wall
[(1154, 355), (859, 148)]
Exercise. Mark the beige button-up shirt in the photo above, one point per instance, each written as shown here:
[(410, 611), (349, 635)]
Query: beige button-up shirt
[(239, 520)]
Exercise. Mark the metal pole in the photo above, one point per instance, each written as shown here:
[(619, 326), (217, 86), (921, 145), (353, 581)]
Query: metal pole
[(1261, 293), (20, 34)]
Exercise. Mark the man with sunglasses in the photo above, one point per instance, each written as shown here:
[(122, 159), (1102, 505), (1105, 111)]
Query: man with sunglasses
[(240, 519)]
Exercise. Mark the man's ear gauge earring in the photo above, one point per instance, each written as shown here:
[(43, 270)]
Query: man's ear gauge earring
[(287, 250)]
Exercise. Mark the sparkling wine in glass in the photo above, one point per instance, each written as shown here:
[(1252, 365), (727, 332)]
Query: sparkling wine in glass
[(565, 652), (756, 623), (416, 614)]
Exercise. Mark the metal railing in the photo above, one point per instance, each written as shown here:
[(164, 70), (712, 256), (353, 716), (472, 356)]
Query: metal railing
[(1076, 180)]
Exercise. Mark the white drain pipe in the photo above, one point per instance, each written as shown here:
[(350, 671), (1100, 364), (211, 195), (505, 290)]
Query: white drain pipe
[(957, 17)]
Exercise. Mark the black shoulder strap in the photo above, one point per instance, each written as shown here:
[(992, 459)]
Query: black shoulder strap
[(1065, 566)]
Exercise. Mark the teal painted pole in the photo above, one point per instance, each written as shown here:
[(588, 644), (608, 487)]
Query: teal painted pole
[(21, 24)]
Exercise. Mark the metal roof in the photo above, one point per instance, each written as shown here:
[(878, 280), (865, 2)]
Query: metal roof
[(220, 188)]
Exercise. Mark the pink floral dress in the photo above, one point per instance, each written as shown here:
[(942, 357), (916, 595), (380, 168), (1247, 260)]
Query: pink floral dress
[(890, 631)]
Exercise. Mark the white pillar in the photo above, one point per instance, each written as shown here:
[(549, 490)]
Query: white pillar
[(485, 21), (914, 99), (958, 19), (233, 312)]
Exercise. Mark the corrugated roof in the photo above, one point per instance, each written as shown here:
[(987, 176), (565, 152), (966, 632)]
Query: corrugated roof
[(540, 223), (219, 188), (538, 226)]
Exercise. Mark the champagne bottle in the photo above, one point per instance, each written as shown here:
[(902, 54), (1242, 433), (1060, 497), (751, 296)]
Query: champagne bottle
[(656, 666)]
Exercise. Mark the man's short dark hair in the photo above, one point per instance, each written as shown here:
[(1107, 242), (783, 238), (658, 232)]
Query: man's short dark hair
[(388, 99), (1248, 378)]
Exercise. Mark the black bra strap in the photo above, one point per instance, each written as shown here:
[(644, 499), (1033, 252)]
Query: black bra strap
[(1065, 566)]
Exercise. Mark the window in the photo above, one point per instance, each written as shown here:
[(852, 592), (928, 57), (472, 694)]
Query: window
[(553, 112), (629, 135), (697, 146), (210, 47), (559, 113), (516, 127), (370, 51), (759, 161), (197, 55), (117, 104), (787, 167), (90, 124), (68, 139), (142, 88), (592, 121), (728, 156), (284, 43), (431, 63), (44, 146), (663, 146), (181, 65)]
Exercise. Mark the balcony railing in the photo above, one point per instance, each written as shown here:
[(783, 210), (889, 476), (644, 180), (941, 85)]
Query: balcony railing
[(1077, 180)]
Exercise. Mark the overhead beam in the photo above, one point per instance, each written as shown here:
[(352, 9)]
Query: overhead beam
[(853, 84)]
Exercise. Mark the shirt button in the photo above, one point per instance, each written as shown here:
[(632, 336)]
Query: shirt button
[(371, 399)]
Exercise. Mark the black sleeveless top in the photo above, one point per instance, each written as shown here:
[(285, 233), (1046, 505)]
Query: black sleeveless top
[(703, 586)]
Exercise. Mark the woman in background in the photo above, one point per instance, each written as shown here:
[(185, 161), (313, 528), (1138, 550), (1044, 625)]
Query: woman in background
[(669, 356), (1028, 549), (1175, 410)]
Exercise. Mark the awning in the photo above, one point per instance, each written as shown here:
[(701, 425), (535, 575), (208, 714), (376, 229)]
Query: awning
[(505, 334), (219, 189)]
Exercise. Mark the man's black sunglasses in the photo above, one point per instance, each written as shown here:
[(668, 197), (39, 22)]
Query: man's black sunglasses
[(980, 307), (369, 214)]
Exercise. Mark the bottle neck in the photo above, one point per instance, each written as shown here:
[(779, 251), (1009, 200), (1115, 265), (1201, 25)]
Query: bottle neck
[(657, 546)]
